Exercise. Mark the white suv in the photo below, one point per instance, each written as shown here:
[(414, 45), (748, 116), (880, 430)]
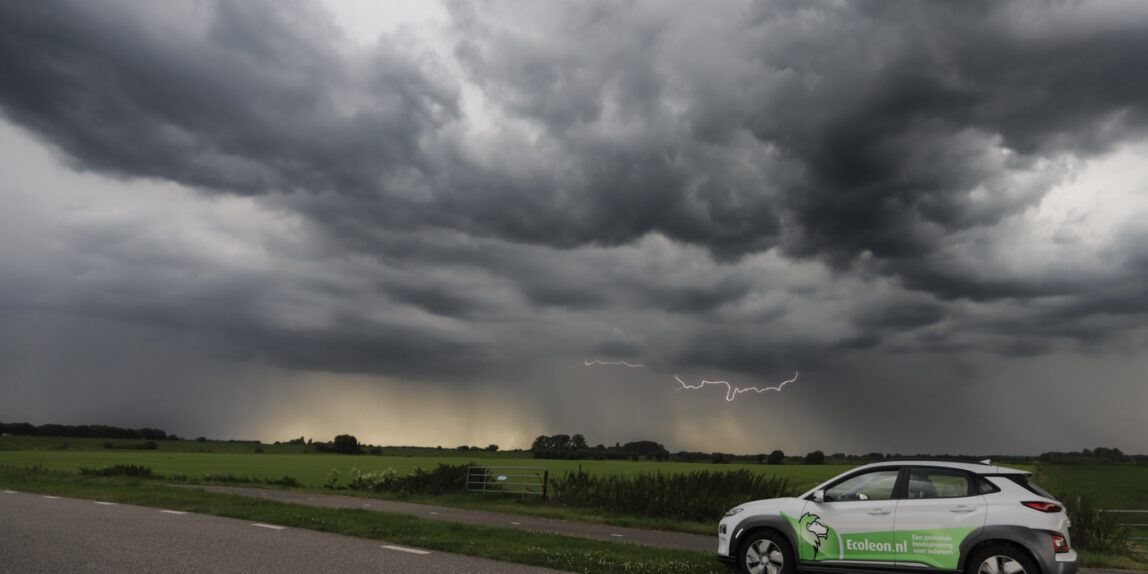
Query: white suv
[(915, 516)]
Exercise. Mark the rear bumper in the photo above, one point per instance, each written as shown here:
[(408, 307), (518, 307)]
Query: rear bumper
[(1063, 563)]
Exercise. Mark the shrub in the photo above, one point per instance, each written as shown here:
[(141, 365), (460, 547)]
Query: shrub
[(443, 479), (699, 496), (1092, 529), (121, 470), (373, 481), (247, 479)]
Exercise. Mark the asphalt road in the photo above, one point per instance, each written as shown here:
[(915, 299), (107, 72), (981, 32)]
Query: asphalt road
[(42, 535)]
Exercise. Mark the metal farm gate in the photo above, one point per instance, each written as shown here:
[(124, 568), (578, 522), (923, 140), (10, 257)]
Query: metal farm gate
[(508, 480), (1138, 530)]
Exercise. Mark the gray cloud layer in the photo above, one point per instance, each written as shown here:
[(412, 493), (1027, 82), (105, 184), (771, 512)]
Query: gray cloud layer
[(752, 187)]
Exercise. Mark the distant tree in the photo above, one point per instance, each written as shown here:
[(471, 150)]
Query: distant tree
[(815, 457), (492, 448), (776, 457), (578, 442), (560, 442), (346, 444)]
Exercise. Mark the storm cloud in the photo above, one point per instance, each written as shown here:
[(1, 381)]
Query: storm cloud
[(750, 189)]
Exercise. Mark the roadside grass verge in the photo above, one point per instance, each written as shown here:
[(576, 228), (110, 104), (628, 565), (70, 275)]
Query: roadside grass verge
[(1103, 560), (510, 545)]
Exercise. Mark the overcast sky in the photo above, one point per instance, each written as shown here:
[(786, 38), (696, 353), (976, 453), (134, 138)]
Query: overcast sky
[(418, 223)]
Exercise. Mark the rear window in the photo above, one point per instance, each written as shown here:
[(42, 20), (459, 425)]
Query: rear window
[(1030, 486), (985, 487), (938, 483)]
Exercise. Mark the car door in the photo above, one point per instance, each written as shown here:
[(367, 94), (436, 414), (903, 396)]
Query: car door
[(940, 508), (853, 524)]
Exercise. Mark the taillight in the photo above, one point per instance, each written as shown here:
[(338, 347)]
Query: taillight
[(1059, 543), (1043, 506)]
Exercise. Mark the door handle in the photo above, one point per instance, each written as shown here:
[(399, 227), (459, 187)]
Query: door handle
[(963, 509), (878, 512)]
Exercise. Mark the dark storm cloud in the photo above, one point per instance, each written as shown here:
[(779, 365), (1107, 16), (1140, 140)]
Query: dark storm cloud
[(901, 89), (250, 105), (881, 111), (864, 135)]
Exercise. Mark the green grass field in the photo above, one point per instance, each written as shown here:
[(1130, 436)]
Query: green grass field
[(176, 458), (1124, 487), (1113, 486)]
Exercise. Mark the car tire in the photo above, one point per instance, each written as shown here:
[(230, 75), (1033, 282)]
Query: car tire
[(766, 552), (1001, 559)]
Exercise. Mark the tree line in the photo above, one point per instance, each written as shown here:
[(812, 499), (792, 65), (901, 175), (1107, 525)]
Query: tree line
[(84, 431), (574, 447)]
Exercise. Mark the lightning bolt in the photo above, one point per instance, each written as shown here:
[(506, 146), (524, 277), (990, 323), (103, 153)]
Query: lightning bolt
[(731, 391), (612, 363)]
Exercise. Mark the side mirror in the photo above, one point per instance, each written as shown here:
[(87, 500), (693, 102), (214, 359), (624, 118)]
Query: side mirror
[(819, 496)]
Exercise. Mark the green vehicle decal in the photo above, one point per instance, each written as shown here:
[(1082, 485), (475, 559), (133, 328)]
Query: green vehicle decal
[(818, 541), (938, 547)]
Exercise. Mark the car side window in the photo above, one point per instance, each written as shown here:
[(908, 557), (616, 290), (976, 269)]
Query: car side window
[(939, 483), (875, 485)]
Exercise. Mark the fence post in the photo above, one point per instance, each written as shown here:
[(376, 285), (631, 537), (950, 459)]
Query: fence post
[(545, 482)]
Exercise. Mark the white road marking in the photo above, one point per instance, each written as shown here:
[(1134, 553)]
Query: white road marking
[(516, 523), (52, 497), (434, 514), (173, 512), (271, 526), (102, 503), (9, 492), (616, 535), (407, 550)]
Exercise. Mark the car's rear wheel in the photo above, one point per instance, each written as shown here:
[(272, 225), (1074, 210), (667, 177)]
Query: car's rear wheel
[(766, 552), (1001, 559)]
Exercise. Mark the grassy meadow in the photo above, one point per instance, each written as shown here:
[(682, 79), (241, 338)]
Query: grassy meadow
[(1124, 487), (193, 460)]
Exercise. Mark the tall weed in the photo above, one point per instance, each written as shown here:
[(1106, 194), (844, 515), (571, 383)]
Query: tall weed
[(701, 496), (1092, 529), (443, 479), (135, 470)]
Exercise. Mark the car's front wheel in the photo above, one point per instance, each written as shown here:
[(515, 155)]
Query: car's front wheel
[(766, 552), (1001, 559)]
